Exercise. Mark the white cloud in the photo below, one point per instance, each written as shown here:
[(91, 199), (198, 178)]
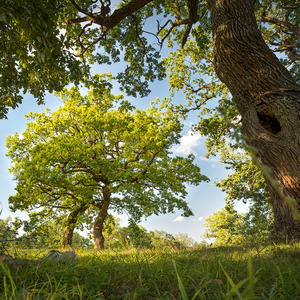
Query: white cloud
[(179, 219), (188, 142), (200, 219), (209, 159)]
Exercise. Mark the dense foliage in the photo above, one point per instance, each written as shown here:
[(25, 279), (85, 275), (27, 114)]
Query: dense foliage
[(59, 40)]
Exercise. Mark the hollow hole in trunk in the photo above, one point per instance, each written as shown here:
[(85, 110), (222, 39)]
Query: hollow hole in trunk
[(269, 123)]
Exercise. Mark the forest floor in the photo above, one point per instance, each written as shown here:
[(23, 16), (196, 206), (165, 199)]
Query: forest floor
[(260, 272)]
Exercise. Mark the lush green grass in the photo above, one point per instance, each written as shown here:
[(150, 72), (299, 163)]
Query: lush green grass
[(271, 272)]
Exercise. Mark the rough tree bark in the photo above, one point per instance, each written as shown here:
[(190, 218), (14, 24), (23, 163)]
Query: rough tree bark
[(99, 220), (71, 223), (267, 98)]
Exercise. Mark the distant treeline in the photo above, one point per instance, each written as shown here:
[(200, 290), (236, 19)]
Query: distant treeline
[(115, 237)]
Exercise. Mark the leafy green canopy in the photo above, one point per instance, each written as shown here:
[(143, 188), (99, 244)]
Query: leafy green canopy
[(34, 53), (66, 158), (47, 44)]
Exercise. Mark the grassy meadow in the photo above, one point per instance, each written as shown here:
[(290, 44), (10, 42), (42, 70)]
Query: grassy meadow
[(257, 272)]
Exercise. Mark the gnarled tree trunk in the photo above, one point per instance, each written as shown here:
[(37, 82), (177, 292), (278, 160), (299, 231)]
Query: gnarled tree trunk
[(267, 98), (99, 220), (71, 223)]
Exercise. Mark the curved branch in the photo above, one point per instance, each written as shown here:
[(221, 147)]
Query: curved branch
[(292, 28), (201, 87), (109, 21)]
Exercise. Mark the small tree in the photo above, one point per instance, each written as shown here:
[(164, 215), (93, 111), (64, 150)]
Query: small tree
[(225, 227), (161, 239), (97, 153), (246, 184), (184, 240), (131, 236), (46, 236), (8, 234), (228, 227), (81, 241)]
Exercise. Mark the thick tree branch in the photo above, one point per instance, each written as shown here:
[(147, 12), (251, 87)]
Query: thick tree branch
[(292, 28), (110, 21)]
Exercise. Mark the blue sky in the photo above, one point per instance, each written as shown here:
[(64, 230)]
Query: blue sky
[(203, 200)]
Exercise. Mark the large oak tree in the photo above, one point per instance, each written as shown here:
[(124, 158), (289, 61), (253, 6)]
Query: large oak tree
[(98, 153), (229, 36)]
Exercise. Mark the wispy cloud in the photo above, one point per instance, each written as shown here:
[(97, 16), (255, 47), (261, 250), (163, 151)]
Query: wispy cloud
[(188, 142), (199, 219), (209, 159), (179, 219)]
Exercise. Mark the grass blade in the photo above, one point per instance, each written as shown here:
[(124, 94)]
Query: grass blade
[(251, 293), (235, 288), (181, 287), (7, 273)]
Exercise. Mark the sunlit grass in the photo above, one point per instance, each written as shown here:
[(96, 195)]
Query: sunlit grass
[(270, 272)]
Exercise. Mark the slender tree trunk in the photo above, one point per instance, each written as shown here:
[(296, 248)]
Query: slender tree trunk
[(267, 98), (71, 223), (99, 221)]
